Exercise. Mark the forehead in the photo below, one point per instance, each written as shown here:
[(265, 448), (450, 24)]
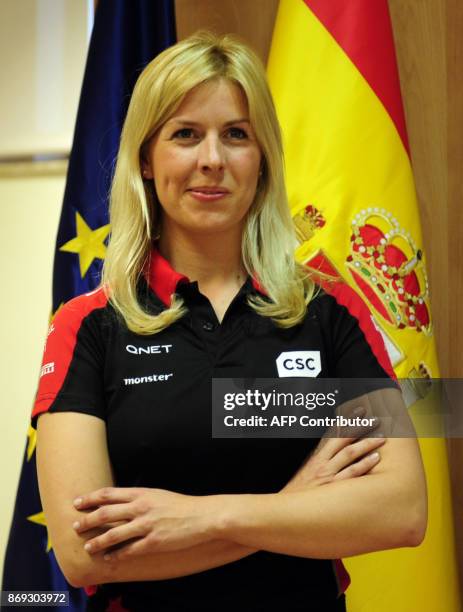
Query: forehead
[(216, 99)]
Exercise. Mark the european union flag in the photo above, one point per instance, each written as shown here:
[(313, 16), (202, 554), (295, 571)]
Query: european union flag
[(126, 36)]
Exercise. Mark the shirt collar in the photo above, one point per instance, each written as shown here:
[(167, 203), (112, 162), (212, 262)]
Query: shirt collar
[(163, 279)]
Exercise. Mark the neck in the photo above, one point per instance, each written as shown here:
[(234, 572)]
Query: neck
[(209, 259)]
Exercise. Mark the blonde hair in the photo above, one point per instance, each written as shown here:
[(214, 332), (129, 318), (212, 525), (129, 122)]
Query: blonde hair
[(268, 241)]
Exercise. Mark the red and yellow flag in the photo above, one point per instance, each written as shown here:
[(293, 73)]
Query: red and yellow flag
[(334, 78)]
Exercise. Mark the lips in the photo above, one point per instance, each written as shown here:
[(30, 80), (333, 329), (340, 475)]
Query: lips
[(209, 190), (208, 193)]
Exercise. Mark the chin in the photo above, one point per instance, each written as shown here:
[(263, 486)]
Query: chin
[(214, 226)]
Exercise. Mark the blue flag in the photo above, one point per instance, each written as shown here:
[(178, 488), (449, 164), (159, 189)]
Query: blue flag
[(126, 36)]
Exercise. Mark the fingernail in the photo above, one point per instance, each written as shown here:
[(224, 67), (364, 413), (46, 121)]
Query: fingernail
[(76, 525), (374, 456), (359, 411), (88, 547), (77, 501)]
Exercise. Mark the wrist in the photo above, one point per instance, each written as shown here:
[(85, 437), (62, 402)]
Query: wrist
[(218, 514), (237, 515)]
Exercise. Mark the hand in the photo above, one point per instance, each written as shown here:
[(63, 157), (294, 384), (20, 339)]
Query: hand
[(338, 458), (147, 521)]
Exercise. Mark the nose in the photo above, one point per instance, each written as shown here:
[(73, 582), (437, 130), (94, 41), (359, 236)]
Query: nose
[(211, 155)]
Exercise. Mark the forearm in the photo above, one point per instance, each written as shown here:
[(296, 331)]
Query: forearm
[(161, 566), (336, 520), (167, 534)]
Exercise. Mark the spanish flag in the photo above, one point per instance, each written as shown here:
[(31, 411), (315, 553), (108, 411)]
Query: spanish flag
[(334, 78)]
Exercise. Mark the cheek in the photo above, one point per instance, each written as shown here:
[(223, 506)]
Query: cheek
[(248, 166), (171, 168)]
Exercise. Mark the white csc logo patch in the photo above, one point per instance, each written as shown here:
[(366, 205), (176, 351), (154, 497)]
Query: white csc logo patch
[(299, 363)]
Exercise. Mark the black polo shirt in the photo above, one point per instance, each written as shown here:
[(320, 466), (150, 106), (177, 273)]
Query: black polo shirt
[(154, 394)]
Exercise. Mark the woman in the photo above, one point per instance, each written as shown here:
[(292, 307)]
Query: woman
[(200, 282)]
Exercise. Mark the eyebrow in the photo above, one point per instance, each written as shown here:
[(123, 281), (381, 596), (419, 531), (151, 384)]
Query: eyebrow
[(195, 123)]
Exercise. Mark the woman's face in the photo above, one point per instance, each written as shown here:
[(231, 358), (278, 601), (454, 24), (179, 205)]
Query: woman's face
[(205, 161)]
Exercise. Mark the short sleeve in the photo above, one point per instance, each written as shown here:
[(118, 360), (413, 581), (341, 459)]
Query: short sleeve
[(358, 347), (358, 357), (71, 376)]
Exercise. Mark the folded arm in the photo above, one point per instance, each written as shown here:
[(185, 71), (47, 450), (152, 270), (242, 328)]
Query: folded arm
[(317, 514), (325, 518), (72, 457)]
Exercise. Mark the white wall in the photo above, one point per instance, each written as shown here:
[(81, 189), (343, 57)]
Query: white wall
[(29, 213), (42, 49)]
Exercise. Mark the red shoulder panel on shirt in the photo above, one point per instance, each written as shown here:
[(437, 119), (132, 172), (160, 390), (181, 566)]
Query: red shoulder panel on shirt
[(60, 344), (346, 296)]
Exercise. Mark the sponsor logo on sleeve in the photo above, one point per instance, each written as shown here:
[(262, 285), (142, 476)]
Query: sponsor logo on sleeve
[(51, 329), (47, 368), (299, 364)]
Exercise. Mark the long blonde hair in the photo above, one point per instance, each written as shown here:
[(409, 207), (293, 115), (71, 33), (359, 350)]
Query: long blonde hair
[(268, 241)]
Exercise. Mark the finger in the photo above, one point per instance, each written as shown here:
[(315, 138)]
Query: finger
[(106, 495), (359, 468), (361, 421), (329, 447), (332, 446), (350, 454), (115, 536), (136, 548), (345, 435), (104, 515), (367, 427)]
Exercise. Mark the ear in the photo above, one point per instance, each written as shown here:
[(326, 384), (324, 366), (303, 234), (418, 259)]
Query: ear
[(145, 165), (146, 171)]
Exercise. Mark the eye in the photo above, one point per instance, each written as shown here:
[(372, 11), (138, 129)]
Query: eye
[(238, 133), (183, 134)]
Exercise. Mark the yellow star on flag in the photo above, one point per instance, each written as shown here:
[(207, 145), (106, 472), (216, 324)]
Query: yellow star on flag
[(53, 314), (31, 441), (88, 244), (39, 519)]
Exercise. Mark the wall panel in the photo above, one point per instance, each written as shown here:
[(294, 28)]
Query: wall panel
[(454, 55), (430, 55), (419, 31), (252, 21)]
